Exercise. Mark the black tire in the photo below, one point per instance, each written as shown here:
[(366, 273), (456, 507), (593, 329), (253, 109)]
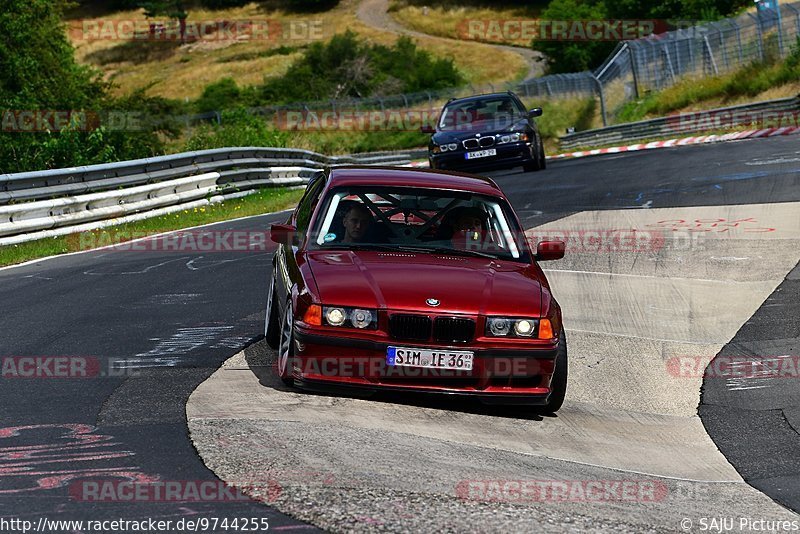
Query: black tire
[(537, 159), (272, 327), (558, 384), (285, 357), (542, 156)]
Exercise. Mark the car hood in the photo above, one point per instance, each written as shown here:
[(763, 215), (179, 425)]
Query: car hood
[(485, 128), (405, 281)]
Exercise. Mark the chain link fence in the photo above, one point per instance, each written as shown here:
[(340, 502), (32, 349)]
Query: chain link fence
[(656, 62)]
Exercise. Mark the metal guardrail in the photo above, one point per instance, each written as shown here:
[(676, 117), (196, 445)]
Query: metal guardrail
[(35, 205), (233, 164), (678, 124)]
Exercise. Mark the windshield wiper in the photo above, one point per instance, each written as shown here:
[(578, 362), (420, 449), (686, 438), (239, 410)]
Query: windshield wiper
[(457, 252), (412, 248)]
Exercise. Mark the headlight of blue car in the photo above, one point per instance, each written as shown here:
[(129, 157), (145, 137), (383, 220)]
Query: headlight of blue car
[(511, 138)]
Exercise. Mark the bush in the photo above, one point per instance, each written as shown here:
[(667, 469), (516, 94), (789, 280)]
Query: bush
[(348, 68), (223, 94), (238, 128)]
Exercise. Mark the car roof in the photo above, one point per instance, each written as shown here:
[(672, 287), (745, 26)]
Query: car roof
[(487, 96), (408, 177)]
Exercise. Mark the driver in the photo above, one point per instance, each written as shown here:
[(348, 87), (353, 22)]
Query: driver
[(357, 221)]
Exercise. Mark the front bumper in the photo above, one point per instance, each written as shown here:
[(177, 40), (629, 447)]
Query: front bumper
[(508, 375), (508, 155)]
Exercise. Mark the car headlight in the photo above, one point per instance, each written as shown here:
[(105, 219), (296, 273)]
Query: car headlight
[(361, 318), (511, 327), (350, 317), (444, 148), (335, 316), (511, 138)]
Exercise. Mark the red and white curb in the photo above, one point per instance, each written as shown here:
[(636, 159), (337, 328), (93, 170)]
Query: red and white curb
[(749, 134)]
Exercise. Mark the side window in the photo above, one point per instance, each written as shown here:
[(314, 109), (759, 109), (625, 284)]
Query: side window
[(306, 207)]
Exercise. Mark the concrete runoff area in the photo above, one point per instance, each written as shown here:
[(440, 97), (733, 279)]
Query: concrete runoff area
[(642, 326)]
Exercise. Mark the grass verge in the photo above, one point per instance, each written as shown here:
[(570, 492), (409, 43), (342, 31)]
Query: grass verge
[(265, 201), (446, 20)]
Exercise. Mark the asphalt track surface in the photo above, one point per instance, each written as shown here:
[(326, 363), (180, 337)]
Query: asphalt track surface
[(174, 317)]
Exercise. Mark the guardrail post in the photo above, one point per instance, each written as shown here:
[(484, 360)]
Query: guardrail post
[(602, 98), (760, 36), (722, 46), (710, 54), (739, 42), (780, 29), (669, 64), (796, 18)]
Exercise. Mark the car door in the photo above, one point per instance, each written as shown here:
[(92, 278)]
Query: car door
[(287, 270)]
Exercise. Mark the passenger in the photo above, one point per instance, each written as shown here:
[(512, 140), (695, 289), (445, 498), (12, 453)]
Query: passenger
[(462, 225)]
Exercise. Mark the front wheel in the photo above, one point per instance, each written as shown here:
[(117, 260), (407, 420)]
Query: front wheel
[(536, 162), (286, 358), (542, 156), (558, 384), (271, 322)]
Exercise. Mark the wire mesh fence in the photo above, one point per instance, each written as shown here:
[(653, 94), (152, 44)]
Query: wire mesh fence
[(659, 61)]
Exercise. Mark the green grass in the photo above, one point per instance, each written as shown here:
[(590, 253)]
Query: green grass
[(264, 201)]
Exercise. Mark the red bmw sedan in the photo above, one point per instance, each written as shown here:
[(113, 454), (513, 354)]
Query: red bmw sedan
[(414, 280)]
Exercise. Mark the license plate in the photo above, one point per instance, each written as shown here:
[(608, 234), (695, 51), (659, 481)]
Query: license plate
[(481, 154), (432, 359)]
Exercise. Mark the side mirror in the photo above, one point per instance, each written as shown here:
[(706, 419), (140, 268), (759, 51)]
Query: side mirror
[(427, 129), (283, 234), (550, 250), (535, 112)]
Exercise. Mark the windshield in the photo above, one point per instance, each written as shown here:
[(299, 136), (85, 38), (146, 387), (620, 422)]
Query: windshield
[(463, 115), (419, 219)]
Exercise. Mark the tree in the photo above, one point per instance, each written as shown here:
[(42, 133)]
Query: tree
[(37, 68), (173, 9), (574, 56), (40, 77)]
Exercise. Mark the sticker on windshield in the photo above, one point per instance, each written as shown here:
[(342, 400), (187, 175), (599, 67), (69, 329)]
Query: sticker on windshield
[(329, 237)]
